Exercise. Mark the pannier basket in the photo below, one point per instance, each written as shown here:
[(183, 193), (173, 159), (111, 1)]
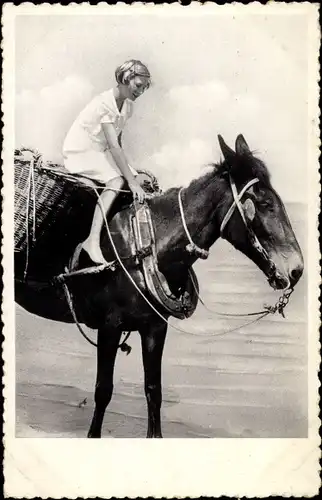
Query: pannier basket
[(42, 192)]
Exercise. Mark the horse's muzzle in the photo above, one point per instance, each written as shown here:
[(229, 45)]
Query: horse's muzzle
[(295, 274), (287, 269), (279, 282)]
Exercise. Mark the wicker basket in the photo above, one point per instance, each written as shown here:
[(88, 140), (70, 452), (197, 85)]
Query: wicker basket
[(43, 191), (41, 194)]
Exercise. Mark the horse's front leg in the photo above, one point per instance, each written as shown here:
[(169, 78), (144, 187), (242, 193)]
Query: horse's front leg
[(107, 343), (152, 338)]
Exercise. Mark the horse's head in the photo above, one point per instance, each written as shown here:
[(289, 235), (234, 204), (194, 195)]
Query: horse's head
[(258, 224)]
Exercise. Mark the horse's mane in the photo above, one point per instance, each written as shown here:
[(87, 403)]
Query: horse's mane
[(246, 167)]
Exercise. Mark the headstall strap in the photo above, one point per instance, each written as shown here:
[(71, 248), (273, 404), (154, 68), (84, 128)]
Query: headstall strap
[(201, 253), (237, 197), (254, 240)]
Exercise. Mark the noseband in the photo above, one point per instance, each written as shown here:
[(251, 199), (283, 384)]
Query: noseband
[(192, 248)]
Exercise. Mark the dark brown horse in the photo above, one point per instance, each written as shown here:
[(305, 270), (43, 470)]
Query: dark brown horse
[(258, 226)]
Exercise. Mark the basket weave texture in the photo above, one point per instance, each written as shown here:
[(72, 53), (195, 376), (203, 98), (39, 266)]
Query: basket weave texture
[(42, 192)]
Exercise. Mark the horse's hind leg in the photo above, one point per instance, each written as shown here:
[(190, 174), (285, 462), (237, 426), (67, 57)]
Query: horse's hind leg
[(107, 343), (153, 338)]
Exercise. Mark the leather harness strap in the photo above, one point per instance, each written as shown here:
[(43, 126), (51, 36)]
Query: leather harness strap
[(191, 247), (201, 252), (236, 203)]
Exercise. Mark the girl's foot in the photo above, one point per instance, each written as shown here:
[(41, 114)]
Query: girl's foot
[(95, 253)]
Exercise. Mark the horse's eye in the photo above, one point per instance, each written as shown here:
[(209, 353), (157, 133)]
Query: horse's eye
[(266, 204)]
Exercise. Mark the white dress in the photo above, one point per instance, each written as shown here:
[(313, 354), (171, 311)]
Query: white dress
[(85, 148)]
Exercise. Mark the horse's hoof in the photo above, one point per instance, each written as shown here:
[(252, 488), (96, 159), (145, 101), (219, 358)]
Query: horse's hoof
[(93, 436)]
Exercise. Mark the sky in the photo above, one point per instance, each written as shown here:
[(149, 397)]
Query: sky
[(212, 74)]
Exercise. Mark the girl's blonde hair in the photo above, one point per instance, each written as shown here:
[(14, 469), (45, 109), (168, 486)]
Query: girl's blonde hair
[(130, 69)]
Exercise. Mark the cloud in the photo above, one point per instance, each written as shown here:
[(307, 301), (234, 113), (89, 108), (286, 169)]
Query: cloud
[(197, 108), (192, 117), (43, 117), (205, 110), (204, 94), (178, 163), (198, 114)]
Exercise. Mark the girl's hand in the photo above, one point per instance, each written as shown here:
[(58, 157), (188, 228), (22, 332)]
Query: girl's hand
[(137, 191)]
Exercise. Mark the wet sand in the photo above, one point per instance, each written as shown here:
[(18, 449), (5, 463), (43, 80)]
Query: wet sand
[(248, 383)]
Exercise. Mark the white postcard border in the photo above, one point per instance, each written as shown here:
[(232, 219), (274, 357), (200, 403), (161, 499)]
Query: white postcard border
[(170, 467)]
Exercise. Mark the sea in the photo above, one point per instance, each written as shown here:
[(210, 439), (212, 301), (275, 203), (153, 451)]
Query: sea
[(222, 378)]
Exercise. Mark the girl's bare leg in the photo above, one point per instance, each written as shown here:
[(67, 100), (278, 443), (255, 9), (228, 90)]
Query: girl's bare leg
[(92, 243)]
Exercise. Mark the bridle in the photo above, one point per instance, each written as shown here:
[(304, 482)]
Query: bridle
[(251, 234), (192, 248), (236, 203)]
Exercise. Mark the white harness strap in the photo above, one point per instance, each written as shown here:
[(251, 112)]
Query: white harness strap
[(236, 203), (185, 227), (192, 248)]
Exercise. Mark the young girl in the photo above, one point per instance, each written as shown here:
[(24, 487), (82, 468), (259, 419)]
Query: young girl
[(93, 145)]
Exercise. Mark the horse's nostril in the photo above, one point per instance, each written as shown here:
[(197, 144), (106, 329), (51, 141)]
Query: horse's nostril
[(296, 274)]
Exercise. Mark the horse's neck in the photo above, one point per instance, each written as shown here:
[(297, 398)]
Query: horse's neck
[(199, 206)]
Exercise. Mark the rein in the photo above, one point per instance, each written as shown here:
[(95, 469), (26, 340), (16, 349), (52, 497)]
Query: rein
[(279, 306), (128, 274), (123, 345), (193, 248)]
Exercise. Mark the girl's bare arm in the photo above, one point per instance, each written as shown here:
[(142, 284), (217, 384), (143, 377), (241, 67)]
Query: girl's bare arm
[(118, 154)]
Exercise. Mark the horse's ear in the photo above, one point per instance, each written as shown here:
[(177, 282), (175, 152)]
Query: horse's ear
[(241, 145), (229, 154)]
